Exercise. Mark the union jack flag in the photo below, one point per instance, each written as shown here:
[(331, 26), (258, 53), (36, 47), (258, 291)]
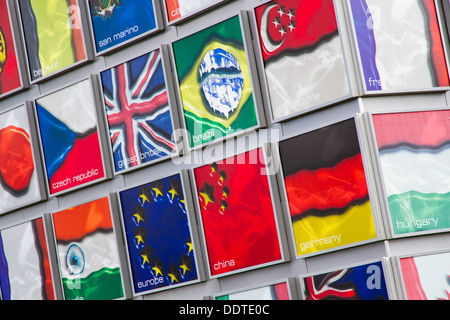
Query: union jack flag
[(138, 111)]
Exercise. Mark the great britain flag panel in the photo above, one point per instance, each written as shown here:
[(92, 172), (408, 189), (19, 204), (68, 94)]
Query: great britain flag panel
[(399, 44), (138, 111)]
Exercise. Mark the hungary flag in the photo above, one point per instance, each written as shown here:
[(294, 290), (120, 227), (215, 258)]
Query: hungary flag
[(87, 251)]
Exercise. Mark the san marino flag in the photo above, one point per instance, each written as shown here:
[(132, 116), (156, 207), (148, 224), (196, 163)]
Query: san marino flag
[(215, 85), (87, 251)]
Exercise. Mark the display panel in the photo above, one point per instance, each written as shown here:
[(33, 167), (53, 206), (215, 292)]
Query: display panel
[(116, 23), (394, 56), (215, 84), (139, 112), (70, 139), (87, 250), (161, 245), (10, 67), (326, 187), (25, 272), (362, 282), (426, 277), (237, 213), (276, 291), (20, 166), (179, 10), (302, 55), (53, 36), (414, 156)]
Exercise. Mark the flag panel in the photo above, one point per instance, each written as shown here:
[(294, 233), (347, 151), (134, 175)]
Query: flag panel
[(277, 291), (24, 263), (302, 54), (214, 82), (19, 175), (326, 189), (177, 10), (116, 22), (70, 138), (393, 55), (138, 112), (10, 79), (158, 234), (414, 153), (53, 35), (87, 251), (237, 213), (365, 282), (426, 277)]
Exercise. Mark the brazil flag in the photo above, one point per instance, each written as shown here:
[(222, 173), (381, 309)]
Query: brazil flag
[(214, 80)]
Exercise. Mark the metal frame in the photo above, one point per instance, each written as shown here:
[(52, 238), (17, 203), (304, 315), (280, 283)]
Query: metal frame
[(256, 91), (398, 274), (357, 57), (378, 172), (118, 237), (37, 161), (351, 81), (100, 132), (191, 15), (18, 48), (276, 208), (290, 283), (373, 197), (192, 224), (172, 100), (159, 27), (86, 43), (386, 264)]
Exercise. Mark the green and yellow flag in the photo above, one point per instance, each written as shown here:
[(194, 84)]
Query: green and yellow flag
[(215, 85)]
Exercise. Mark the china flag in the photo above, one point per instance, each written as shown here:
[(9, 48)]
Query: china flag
[(282, 31)]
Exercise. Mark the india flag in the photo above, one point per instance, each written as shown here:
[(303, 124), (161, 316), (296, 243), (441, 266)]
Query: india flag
[(87, 251)]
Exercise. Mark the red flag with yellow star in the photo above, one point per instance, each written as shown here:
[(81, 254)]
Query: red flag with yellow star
[(237, 213)]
